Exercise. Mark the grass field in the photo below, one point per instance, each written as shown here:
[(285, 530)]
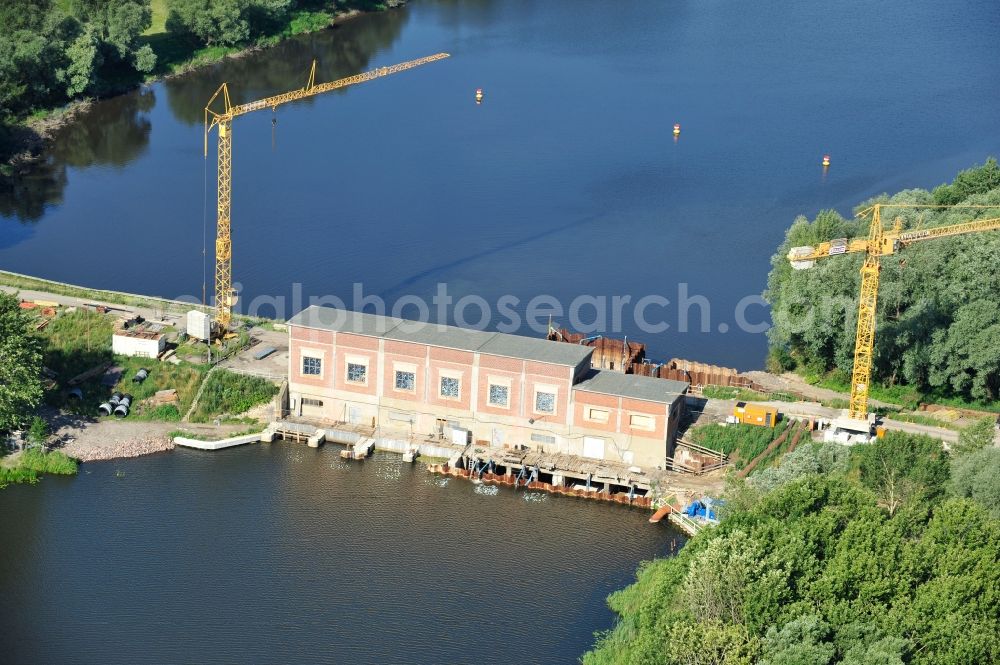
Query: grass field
[(80, 340), (741, 442), (159, 23)]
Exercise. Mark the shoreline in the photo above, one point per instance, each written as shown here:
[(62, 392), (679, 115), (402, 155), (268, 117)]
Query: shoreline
[(31, 136)]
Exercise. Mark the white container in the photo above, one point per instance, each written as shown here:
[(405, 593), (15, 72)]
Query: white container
[(199, 324)]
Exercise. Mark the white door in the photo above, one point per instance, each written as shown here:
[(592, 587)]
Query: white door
[(593, 447)]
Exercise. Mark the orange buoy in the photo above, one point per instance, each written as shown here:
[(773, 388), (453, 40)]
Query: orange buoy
[(677, 128), (479, 95), (826, 160)]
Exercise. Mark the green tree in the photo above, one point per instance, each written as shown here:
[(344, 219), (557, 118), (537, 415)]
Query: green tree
[(228, 22), (977, 180), (116, 25), (804, 640), (976, 476), (83, 58), (38, 433), (976, 436), (901, 468), (966, 357), (20, 365)]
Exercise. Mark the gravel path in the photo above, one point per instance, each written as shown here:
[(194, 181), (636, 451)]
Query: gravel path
[(89, 441)]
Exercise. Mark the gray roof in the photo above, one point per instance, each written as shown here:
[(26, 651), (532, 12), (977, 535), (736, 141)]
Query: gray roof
[(343, 320), (434, 334), (646, 388), (532, 348)]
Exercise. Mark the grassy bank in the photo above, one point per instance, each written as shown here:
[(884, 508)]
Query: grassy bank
[(31, 463), (26, 282), (233, 394)]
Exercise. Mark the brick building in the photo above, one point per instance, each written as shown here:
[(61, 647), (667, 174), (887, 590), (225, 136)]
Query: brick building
[(412, 379)]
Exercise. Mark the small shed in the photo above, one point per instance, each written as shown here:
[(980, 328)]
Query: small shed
[(143, 341)]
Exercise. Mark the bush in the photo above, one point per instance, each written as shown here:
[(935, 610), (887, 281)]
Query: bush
[(38, 433)]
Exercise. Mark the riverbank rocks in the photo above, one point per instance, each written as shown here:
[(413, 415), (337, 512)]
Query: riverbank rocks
[(122, 449)]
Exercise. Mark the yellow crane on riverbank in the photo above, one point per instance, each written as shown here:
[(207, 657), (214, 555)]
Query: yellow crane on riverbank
[(880, 242), (225, 297)]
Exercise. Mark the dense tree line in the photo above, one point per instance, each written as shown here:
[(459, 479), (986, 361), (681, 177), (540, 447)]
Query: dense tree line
[(55, 51), (938, 316), (52, 52), (20, 365), (884, 553)]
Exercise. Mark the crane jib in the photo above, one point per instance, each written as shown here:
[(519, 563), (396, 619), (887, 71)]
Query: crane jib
[(225, 296)]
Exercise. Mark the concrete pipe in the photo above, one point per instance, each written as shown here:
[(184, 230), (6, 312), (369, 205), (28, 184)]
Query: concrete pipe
[(124, 404), (75, 393), (140, 376)]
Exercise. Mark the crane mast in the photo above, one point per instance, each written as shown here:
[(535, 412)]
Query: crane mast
[(879, 243), (222, 119)]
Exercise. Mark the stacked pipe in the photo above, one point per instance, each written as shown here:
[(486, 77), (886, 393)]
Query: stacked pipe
[(124, 404), (107, 408)]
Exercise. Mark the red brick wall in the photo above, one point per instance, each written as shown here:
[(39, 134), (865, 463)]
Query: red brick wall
[(389, 375), (455, 361), (583, 400), (533, 381), (315, 343), (499, 368), (640, 407), (361, 348)]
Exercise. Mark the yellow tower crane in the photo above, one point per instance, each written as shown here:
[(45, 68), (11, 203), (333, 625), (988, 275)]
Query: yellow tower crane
[(880, 242), (225, 297)]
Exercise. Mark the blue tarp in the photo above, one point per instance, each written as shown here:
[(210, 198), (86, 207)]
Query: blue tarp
[(703, 508)]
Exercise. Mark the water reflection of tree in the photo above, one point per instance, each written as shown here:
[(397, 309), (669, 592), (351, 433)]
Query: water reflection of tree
[(339, 52), (115, 132), (26, 196)]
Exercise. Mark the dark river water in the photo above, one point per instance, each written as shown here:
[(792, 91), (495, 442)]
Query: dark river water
[(566, 182), (278, 553)]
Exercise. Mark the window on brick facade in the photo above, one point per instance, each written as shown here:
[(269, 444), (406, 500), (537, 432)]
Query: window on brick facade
[(450, 386), (357, 373), (499, 395), (312, 366), (406, 380), (545, 402), (597, 415), (647, 423)]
